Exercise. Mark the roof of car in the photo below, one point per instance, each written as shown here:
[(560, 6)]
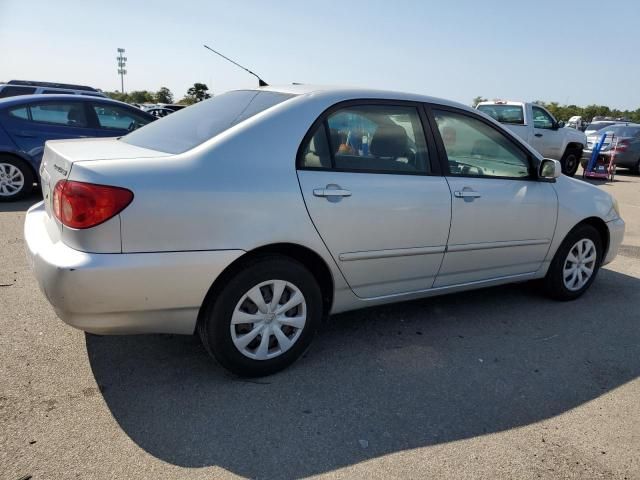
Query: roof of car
[(357, 93), (19, 99)]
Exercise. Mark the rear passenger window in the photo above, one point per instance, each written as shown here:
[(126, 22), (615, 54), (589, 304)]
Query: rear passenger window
[(369, 138), (70, 114), (20, 112), (316, 154)]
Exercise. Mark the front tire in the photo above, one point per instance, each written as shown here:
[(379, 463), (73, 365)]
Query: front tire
[(264, 318), (575, 265), (16, 179), (570, 161)]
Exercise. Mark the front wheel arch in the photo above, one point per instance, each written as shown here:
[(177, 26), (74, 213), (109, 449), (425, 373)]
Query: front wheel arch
[(600, 225)]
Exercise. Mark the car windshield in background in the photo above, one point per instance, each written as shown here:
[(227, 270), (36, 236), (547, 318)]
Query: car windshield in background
[(504, 113), (189, 127), (623, 130)]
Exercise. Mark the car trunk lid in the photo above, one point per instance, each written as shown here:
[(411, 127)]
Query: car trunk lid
[(60, 155)]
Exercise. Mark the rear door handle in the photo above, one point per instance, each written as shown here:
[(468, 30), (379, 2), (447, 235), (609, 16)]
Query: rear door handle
[(537, 135), (25, 135), (466, 194), (331, 192)]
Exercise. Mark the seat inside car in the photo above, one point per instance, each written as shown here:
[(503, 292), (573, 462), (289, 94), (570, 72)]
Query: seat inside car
[(75, 117)]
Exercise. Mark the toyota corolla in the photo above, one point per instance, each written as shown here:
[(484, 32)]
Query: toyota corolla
[(251, 216)]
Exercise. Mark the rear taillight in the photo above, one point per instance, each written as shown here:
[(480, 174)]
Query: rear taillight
[(621, 146), (85, 205)]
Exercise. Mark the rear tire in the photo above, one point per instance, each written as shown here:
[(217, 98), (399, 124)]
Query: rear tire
[(16, 179), (570, 161), (636, 169), (575, 265), (277, 337)]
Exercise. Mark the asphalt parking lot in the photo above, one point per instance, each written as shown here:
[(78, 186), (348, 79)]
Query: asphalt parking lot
[(498, 383)]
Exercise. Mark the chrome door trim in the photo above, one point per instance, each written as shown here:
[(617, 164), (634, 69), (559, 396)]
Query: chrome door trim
[(396, 252), (489, 245)]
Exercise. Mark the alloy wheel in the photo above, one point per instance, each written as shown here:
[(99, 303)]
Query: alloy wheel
[(11, 180)]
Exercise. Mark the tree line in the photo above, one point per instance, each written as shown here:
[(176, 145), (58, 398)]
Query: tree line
[(565, 112), (195, 94)]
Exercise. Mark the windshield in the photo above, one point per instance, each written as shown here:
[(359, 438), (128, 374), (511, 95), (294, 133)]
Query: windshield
[(504, 113), (189, 127)]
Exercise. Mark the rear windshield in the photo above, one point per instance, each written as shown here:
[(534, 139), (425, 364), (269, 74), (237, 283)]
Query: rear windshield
[(594, 127), (623, 130), (504, 113), (189, 127)]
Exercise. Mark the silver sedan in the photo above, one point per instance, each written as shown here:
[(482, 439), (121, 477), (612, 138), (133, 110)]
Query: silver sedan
[(251, 216)]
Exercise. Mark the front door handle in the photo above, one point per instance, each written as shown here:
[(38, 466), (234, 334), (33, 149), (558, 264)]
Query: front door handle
[(331, 192), (537, 135), (466, 194)]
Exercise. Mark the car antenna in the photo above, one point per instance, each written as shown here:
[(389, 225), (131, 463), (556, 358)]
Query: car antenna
[(261, 82)]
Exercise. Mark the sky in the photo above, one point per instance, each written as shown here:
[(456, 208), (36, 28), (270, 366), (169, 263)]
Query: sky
[(561, 50)]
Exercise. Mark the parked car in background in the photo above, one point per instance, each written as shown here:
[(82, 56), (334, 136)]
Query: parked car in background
[(28, 121), (625, 146), (598, 125), (536, 126), (26, 87), (252, 215), (173, 106), (159, 112)]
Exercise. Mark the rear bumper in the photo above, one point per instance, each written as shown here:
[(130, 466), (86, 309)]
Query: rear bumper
[(121, 293), (616, 234)]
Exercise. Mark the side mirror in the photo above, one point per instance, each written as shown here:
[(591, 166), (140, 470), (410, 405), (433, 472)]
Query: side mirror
[(558, 125), (549, 169)]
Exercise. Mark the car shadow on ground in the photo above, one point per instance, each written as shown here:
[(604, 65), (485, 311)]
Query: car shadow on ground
[(376, 381), (24, 204)]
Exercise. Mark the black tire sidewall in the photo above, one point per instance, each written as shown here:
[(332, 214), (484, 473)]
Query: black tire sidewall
[(554, 280), (216, 332), (27, 173), (565, 157)]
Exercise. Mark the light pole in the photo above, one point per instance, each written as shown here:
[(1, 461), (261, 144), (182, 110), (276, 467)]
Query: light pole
[(122, 62)]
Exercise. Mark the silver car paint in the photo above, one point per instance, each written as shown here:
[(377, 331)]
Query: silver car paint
[(240, 191), (401, 223), (483, 242)]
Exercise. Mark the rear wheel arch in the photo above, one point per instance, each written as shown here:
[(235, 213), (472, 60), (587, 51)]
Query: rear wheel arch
[(307, 257)]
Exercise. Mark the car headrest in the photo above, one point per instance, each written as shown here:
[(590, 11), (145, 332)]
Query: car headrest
[(389, 141)]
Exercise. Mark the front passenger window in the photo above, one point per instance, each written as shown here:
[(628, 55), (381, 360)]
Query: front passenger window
[(476, 149)]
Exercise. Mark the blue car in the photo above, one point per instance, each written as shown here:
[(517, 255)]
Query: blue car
[(27, 121)]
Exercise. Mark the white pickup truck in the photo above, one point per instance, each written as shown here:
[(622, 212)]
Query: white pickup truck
[(541, 130)]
